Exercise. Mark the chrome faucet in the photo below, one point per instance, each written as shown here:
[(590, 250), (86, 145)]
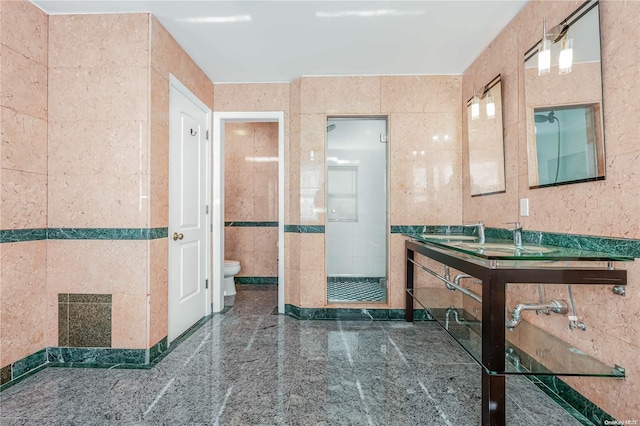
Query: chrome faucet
[(517, 234), (480, 227)]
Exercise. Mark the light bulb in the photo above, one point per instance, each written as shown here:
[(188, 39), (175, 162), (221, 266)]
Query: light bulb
[(544, 53), (566, 56), (475, 108), (491, 106)]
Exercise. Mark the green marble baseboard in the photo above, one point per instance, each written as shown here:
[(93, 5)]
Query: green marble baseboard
[(256, 280), (352, 314)]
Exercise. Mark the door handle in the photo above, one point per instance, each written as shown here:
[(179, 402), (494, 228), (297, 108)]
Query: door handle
[(177, 236)]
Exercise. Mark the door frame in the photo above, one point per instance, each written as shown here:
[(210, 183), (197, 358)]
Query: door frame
[(219, 119), (174, 83)]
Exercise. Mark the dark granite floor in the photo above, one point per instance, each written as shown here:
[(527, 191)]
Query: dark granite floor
[(249, 367)]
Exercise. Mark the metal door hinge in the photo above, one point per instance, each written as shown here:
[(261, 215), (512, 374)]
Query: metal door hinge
[(206, 209), (206, 283), (207, 134)]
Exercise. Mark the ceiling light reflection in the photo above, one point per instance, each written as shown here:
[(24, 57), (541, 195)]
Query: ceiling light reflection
[(262, 159), (369, 13), (217, 19)]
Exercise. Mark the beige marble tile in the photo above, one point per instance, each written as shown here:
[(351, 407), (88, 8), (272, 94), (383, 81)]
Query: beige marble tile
[(425, 132), (129, 321), (159, 290), (24, 29), (265, 264), (97, 266), (239, 147), (313, 289), (23, 303), (80, 201), (239, 196), (158, 202), (266, 240), (98, 147), (621, 105), (159, 150), (99, 40), (113, 94), (24, 142), (619, 29), (312, 253), (239, 239), (159, 113), (420, 93), (252, 97), (265, 204), (24, 84), (266, 135), (265, 160), (24, 200), (340, 95)]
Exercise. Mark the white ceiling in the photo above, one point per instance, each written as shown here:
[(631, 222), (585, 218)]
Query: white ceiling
[(278, 41)]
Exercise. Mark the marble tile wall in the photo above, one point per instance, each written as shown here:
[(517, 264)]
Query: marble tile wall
[(23, 173), (99, 170), (251, 195), (425, 133), (605, 208)]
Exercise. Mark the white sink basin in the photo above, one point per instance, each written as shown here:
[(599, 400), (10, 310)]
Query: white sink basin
[(456, 237), (506, 247)]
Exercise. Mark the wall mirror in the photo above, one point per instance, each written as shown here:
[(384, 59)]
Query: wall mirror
[(486, 143), (563, 92)]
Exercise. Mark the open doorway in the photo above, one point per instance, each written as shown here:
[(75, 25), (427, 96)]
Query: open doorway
[(220, 120)]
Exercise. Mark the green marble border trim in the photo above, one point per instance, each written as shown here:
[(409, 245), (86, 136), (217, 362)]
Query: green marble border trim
[(583, 410), (22, 235), (252, 224), (614, 246), (92, 356), (256, 280), (304, 229), (158, 350), (348, 314), (23, 368), (354, 279), (430, 229), (106, 233)]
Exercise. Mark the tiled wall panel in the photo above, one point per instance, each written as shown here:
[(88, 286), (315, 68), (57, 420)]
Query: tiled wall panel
[(605, 208)]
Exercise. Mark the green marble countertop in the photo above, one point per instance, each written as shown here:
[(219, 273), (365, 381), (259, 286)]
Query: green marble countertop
[(500, 249)]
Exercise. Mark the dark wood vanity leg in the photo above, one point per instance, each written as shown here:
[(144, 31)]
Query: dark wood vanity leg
[(408, 309), (493, 335), (493, 399)]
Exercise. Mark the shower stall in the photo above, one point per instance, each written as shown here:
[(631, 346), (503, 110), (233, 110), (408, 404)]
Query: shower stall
[(356, 203)]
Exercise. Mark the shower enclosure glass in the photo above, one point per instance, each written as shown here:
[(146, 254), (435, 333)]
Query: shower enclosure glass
[(356, 231)]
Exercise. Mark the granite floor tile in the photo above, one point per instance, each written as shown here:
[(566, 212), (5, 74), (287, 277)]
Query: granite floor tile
[(249, 367)]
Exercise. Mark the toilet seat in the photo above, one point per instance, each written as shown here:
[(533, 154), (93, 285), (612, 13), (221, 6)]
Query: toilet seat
[(229, 263)]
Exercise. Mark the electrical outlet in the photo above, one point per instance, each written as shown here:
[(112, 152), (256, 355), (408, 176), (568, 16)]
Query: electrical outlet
[(524, 207)]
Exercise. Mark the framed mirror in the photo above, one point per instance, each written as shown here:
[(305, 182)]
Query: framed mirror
[(486, 142), (563, 92)]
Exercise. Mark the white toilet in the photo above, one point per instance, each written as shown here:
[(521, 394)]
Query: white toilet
[(231, 268)]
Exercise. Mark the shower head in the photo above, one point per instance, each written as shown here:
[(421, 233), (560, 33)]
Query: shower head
[(330, 127), (549, 118)]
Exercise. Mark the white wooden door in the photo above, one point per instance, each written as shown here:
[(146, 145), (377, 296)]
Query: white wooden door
[(188, 125)]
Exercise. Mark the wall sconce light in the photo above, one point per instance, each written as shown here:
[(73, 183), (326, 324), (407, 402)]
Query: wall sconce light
[(475, 105), (485, 98), (554, 35), (566, 56)]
